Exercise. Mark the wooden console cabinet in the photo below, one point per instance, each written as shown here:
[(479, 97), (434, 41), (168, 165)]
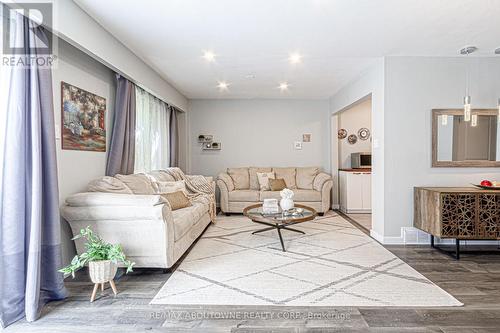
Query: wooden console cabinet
[(462, 213)]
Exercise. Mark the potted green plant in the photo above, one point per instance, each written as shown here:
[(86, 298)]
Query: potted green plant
[(102, 257)]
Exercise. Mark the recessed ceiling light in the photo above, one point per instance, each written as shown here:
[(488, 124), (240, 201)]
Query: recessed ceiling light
[(209, 56), (222, 85), (295, 58), (283, 86)]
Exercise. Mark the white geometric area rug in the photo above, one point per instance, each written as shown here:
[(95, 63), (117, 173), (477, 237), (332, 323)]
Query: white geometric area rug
[(333, 264)]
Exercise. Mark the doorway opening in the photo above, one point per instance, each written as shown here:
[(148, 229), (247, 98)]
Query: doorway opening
[(351, 161)]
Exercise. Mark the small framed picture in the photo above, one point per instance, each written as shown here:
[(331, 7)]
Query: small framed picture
[(297, 145), (306, 137)]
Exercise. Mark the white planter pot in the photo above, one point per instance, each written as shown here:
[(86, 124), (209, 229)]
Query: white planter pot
[(102, 271), (286, 204)]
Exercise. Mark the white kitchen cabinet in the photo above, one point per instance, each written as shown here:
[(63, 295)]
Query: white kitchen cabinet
[(355, 191)]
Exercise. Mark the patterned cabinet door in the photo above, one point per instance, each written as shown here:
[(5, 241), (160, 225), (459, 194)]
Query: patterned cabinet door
[(489, 216), (458, 215)]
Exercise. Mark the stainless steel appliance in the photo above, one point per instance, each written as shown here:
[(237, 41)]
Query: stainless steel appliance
[(361, 160)]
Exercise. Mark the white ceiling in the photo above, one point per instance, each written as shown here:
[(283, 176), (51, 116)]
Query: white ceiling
[(339, 39)]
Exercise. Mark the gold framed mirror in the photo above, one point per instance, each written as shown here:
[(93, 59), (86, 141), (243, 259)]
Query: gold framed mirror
[(460, 143)]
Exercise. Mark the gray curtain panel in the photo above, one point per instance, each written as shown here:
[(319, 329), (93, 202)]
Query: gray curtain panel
[(121, 153), (174, 137), (30, 252)]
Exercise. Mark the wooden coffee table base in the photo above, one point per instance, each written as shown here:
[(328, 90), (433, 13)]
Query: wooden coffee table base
[(278, 227)]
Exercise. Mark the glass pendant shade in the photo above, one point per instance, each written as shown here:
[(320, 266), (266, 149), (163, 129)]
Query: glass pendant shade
[(498, 116), (473, 122), (467, 108), (444, 120)]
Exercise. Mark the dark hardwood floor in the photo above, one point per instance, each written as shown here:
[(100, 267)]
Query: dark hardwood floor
[(474, 280)]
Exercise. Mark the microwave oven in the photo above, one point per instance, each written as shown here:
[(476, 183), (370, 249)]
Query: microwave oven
[(361, 160)]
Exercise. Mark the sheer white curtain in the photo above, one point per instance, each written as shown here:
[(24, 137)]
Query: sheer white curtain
[(151, 132)]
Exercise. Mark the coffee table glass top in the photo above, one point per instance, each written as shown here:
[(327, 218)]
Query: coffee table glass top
[(299, 213)]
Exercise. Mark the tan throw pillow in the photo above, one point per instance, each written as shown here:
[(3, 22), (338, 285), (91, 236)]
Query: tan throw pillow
[(254, 181), (277, 184), (288, 174), (169, 187), (263, 178), (240, 177), (305, 177), (177, 200), (138, 183)]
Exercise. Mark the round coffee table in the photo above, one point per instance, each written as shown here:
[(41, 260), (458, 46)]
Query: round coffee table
[(279, 220)]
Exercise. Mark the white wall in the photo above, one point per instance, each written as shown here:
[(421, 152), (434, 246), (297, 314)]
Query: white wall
[(77, 27), (352, 119), (414, 86), (76, 168), (258, 133), (369, 84)]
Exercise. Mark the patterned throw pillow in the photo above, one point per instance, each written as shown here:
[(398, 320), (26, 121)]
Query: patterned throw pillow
[(177, 200), (169, 187), (277, 184), (263, 178)]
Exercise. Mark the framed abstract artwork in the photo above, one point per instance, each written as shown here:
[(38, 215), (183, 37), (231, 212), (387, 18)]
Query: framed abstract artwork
[(83, 119)]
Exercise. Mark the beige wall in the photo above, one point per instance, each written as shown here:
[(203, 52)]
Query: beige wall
[(258, 133)]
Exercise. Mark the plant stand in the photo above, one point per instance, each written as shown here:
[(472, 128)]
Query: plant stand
[(101, 272), (96, 286)]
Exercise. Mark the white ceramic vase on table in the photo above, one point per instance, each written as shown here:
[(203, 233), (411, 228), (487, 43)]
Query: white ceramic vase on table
[(286, 204)]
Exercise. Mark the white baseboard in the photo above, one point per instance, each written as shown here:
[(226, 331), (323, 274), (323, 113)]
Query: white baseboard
[(414, 236)]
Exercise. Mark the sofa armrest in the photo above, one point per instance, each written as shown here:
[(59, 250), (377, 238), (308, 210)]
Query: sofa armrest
[(228, 182), (320, 180)]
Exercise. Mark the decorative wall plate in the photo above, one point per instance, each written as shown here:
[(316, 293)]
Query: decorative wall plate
[(352, 139), (341, 133), (364, 133)]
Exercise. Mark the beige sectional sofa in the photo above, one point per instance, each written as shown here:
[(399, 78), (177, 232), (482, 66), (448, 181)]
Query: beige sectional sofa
[(239, 187), (134, 215)]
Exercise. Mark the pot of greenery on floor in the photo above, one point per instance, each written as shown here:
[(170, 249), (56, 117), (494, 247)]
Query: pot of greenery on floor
[(102, 258)]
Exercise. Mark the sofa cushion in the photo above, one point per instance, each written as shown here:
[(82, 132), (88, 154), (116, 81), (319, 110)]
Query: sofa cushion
[(240, 177), (299, 195), (263, 178), (161, 176), (170, 187), (288, 174), (244, 195), (138, 183), (185, 218), (252, 172), (305, 177)]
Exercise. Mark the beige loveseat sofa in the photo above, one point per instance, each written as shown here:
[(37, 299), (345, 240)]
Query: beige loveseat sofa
[(151, 234), (239, 187)]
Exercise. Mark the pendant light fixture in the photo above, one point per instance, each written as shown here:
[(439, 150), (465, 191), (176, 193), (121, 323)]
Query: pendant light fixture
[(473, 122), (467, 100)]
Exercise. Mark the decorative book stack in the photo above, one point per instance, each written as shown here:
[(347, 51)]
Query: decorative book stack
[(270, 206)]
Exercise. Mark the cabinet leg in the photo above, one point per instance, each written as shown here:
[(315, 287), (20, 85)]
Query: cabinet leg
[(432, 240), (457, 249)]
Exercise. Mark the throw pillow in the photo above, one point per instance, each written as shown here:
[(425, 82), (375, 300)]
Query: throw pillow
[(240, 177), (138, 183), (177, 200), (288, 174), (263, 178), (254, 181), (277, 184), (169, 187), (305, 177)]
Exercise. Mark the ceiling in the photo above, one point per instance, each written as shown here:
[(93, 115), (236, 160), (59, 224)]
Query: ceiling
[(252, 39)]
